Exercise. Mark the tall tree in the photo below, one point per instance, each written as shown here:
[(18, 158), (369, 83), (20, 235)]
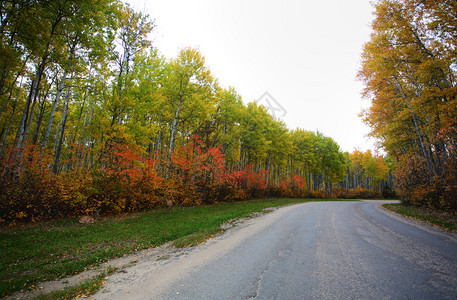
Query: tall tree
[(190, 89), (134, 28), (408, 70)]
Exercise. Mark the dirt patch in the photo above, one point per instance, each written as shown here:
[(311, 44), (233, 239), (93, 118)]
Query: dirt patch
[(238, 221), (119, 264)]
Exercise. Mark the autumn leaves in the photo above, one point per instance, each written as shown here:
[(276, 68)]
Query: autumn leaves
[(409, 72), (93, 116)]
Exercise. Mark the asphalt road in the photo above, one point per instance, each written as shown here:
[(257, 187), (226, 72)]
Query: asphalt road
[(322, 250)]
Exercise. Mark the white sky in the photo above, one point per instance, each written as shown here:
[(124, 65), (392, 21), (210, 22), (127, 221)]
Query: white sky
[(304, 53)]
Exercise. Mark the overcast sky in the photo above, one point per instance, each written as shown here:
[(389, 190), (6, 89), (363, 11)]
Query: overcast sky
[(305, 54)]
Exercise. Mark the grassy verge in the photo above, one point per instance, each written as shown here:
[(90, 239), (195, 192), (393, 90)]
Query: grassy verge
[(46, 251), (443, 220), (84, 289)]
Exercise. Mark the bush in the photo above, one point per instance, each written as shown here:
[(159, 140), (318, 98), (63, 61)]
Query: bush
[(124, 179), (418, 186)]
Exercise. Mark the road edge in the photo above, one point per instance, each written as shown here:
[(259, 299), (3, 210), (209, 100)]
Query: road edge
[(415, 222)]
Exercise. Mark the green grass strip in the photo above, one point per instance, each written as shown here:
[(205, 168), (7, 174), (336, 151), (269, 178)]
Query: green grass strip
[(84, 289), (440, 219), (46, 251)]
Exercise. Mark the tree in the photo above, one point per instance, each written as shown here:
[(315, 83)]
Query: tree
[(229, 110), (133, 33), (407, 68), (189, 89)]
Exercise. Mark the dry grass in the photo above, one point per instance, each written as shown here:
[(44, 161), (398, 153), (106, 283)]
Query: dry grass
[(441, 219)]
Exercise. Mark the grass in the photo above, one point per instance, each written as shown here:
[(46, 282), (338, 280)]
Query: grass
[(34, 253), (442, 220), (84, 289), (197, 237)]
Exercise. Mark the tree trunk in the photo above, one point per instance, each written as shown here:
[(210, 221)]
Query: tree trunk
[(241, 157), (39, 120), (172, 136), (7, 131), (88, 124), (55, 168), (53, 110), (25, 115), (12, 85), (268, 169), (27, 126)]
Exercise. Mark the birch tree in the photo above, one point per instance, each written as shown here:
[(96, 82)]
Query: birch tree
[(189, 85)]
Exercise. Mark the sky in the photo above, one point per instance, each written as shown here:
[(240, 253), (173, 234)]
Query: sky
[(300, 56)]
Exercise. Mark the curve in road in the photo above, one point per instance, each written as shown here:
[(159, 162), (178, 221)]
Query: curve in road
[(320, 250)]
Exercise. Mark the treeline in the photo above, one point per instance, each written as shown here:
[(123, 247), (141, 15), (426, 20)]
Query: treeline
[(93, 116), (409, 70)]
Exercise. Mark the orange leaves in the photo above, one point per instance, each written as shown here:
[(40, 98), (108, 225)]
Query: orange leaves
[(294, 187), (126, 179), (34, 193), (199, 171), (198, 165), (124, 161), (407, 69), (234, 178), (297, 182), (418, 186), (255, 181)]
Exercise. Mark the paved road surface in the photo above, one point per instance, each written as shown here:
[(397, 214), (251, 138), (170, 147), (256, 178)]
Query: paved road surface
[(322, 250)]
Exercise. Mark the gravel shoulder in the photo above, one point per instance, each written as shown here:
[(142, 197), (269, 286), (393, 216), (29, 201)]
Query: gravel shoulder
[(155, 272), (135, 262), (308, 251), (155, 269)]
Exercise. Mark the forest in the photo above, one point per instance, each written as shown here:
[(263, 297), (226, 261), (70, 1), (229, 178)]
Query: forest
[(409, 71), (92, 115)]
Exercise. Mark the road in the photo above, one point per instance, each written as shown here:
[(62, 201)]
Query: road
[(321, 250)]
